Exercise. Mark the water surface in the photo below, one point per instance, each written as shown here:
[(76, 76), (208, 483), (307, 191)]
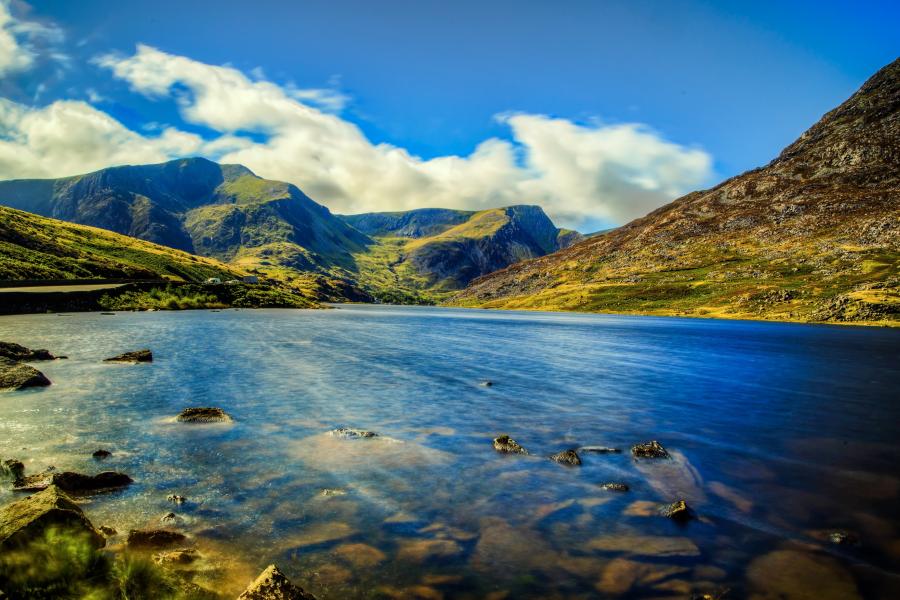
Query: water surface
[(779, 433)]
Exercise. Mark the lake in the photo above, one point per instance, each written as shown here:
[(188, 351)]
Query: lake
[(779, 435)]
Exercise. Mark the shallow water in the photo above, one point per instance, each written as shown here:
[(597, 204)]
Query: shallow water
[(779, 433)]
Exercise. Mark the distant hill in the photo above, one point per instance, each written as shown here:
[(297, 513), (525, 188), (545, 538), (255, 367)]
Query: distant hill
[(812, 236), (196, 205), (433, 251)]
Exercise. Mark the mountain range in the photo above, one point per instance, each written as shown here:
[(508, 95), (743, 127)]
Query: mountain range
[(228, 213), (813, 236)]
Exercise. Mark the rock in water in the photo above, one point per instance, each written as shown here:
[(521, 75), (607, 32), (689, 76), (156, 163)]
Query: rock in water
[(176, 499), (567, 457), (137, 356), (273, 585), (204, 415), (73, 483), (21, 353), (678, 511), (184, 556), (16, 376), (615, 487), (12, 469), (843, 538), (101, 454), (154, 538), (346, 432), (27, 519), (507, 445), (652, 449)]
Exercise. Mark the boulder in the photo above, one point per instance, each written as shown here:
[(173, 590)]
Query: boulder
[(16, 376), (207, 414), (651, 449), (272, 584), (16, 352), (101, 454), (567, 457), (73, 483), (599, 450), (28, 518), (12, 469), (678, 511), (346, 432), (507, 445), (137, 356), (154, 538), (615, 486)]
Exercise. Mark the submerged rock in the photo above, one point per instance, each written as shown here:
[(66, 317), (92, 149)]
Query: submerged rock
[(28, 518), (182, 556), (652, 449), (12, 469), (101, 454), (154, 538), (16, 376), (273, 585), (567, 457), (678, 511), (507, 445), (17, 352), (73, 482), (137, 356), (203, 415), (615, 487), (346, 432), (599, 450)]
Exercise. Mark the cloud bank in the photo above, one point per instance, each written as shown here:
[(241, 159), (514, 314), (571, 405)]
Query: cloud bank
[(580, 173)]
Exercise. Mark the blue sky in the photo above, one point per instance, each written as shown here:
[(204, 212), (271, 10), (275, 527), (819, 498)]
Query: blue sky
[(735, 81)]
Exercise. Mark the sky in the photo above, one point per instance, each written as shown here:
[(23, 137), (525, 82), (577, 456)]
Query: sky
[(598, 111)]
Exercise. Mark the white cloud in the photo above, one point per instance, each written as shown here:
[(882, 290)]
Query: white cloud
[(68, 137), (14, 56), (578, 173)]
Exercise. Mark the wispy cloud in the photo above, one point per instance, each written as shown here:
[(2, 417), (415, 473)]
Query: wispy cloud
[(22, 41)]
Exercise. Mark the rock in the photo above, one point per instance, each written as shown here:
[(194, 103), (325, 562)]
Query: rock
[(182, 556), (154, 538), (798, 575), (843, 538), (171, 519), (507, 445), (176, 499), (73, 482), (137, 356), (108, 531), (273, 585), (615, 487), (720, 594), (16, 376), (329, 492), (486, 383), (203, 415), (567, 457), (345, 432), (101, 454), (599, 450), (678, 511), (17, 353), (652, 449), (12, 469), (28, 518)]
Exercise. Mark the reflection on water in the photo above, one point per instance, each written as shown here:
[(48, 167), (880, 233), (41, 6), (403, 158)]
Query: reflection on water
[(779, 435)]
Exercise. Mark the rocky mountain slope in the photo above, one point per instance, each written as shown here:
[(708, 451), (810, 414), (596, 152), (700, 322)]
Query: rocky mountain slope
[(432, 252), (812, 236)]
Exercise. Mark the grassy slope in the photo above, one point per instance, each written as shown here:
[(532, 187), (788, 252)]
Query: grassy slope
[(34, 247)]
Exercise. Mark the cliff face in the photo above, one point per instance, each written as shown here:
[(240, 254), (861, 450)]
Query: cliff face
[(814, 235)]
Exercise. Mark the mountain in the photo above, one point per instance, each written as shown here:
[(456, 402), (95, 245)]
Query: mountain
[(196, 205), (813, 236), (434, 251)]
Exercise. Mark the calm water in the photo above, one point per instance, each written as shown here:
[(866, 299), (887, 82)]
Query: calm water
[(779, 434)]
